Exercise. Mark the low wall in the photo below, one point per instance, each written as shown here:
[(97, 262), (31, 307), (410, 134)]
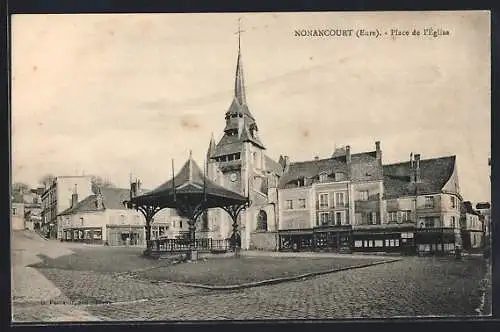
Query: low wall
[(263, 241)]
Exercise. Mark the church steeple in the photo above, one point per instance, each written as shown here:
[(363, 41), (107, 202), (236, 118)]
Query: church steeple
[(211, 147), (239, 82)]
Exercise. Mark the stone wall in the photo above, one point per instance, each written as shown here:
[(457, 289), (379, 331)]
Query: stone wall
[(263, 241)]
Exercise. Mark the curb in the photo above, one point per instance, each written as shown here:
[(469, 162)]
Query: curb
[(276, 280)]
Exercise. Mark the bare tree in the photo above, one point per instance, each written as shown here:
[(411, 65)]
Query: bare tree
[(18, 189), (99, 182), (46, 180)]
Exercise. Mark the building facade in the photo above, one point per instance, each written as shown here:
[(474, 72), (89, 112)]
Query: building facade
[(17, 216), (354, 202), (103, 218), (57, 198), (471, 225)]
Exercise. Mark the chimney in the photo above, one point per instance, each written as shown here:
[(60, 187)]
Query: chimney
[(286, 162), (74, 197), (379, 152), (138, 186), (348, 154), (133, 189), (417, 167)]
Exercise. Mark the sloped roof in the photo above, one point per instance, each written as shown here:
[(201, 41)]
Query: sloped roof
[(273, 166), (434, 174), (365, 167), (112, 198), (189, 183), (312, 168)]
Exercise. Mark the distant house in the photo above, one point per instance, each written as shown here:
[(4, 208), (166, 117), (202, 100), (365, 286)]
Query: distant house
[(17, 216), (57, 197), (471, 224), (103, 218)]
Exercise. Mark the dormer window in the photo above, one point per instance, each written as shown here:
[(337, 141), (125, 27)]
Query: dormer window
[(323, 177)]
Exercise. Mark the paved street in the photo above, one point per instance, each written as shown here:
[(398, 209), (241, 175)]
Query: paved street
[(412, 286)]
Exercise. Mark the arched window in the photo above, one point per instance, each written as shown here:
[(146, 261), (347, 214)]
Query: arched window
[(262, 221)]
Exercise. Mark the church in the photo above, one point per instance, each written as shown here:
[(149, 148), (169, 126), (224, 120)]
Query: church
[(239, 162)]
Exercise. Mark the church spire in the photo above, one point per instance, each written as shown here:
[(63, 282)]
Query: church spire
[(211, 147), (239, 83)]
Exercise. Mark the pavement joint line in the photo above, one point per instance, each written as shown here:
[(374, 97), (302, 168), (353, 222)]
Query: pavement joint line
[(275, 280)]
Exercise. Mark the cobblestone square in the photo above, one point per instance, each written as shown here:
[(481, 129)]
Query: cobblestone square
[(411, 286)]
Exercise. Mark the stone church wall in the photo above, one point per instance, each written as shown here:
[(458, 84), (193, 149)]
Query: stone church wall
[(263, 241)]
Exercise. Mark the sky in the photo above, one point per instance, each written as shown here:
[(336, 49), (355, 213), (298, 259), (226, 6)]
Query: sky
[(120, 94)]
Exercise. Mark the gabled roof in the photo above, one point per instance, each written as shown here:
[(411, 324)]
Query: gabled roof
[(273, 166), (112, 198), (434, 174)]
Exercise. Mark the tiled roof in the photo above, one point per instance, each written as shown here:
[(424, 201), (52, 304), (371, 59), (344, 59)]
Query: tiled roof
[(273, 166), (112, 198), (311, 169), (434, 175), (365, 167)]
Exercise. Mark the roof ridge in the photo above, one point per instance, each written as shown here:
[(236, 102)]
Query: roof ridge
[(435, 158)]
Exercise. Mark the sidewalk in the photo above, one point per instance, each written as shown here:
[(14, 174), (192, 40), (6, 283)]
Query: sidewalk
[(256, 253), (30, 289)]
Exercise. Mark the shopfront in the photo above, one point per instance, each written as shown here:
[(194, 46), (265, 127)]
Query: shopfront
[(296, 240), (332, 238), (437, 240), (85, 235), (126, 235), (397, 239)]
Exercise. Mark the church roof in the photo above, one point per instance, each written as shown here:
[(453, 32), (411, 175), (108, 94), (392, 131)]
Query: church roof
[(434, 174)]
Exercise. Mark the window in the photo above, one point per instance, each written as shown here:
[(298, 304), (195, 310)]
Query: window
[(358, 244), (323, 201), (429, 201), (339, 199), (324, 218), (323, 177), (180, 224), (392, 216), (238, 155), (14, 211), (453, 222), (453, 202), (289, 204), (387, 243), (302, 203), (405, 216), (339, 218), (379, 243), (365, 243), (372, 218), (262, 221), (363, 195), (81, 221)]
